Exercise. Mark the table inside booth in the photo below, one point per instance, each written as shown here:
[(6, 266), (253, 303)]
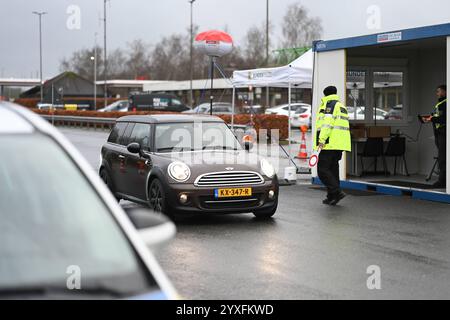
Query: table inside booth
[(360, 135)]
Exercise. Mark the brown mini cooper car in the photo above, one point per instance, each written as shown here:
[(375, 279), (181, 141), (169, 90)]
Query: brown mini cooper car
[(185, 163)]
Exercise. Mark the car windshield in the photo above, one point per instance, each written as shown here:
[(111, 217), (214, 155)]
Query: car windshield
[(51, 229), (176, 137)]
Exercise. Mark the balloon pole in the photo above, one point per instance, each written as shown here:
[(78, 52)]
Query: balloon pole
[(212, 86)]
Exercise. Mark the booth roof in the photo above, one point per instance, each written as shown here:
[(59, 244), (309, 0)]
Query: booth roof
[(298, 73), (426, 32)]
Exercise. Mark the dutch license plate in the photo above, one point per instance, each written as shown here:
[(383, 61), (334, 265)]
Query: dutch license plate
[(232, 192)]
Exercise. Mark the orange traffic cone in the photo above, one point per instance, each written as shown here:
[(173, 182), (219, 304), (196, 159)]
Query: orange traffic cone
[(302, 154)]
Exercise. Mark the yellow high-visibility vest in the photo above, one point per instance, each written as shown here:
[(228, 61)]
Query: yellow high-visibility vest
[(437, 113), (332, 125)]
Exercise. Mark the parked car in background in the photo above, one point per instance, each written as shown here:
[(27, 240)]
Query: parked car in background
[(302, 117), (356, 113), (49, 106), (300, 113), (156, 102), (380, 114), (118, 106), (71, 227), (186, 164), (66, 106), (283, 110), (395, 113), (218, 108), (255, 109)]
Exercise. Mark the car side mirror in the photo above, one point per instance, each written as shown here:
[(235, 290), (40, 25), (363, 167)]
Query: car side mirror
[(155, 229), (134, 147)]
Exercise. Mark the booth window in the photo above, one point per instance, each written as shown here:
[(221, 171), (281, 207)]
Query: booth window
[(388, 95), (375, 95), (356, 94)]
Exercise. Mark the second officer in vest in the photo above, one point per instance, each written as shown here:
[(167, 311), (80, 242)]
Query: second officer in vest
[(332, 137), (439, 120)]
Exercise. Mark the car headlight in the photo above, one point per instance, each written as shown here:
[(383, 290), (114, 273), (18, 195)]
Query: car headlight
[(267, 168), (179, 171)]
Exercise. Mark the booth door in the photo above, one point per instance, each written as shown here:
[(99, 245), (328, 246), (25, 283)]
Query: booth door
[(329, 69)]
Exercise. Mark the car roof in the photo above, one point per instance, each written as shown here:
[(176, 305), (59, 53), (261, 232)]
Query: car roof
[(170, 118), (11, 121)]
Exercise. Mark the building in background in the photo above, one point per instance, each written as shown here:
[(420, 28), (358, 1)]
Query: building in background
[(65, 88)]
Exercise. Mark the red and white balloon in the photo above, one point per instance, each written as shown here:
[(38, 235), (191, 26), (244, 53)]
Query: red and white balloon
[(214, 43)]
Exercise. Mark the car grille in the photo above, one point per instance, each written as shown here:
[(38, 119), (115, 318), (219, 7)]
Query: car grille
[(229, 178), (208, 202)]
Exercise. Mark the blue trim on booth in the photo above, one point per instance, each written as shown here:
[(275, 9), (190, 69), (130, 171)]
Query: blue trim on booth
[(431, 196), (399, 36), (392, 190)]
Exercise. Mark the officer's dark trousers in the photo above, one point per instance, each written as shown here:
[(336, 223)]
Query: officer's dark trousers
[(441, 142), (328, 170)]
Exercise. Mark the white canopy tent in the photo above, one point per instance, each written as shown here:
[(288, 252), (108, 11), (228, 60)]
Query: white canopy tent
[(299, 74)]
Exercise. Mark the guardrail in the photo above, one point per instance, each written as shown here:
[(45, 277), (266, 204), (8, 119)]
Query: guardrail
[(76, 121)]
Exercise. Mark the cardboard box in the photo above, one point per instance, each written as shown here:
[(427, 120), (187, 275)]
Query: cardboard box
[(358, 133), (379, 132)]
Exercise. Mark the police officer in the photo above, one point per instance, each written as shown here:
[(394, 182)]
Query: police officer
[(439, 120), (332, 137)]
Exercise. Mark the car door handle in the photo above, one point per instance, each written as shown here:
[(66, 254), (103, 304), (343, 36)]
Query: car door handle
[(121, 157)]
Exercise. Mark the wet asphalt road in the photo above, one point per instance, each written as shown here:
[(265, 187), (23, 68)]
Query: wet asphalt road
[(308, 251)]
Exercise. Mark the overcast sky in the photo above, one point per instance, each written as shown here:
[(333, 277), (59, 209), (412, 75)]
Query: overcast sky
[(152, 19)]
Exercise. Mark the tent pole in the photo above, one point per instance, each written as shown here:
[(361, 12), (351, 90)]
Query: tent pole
[(233, 101), (289, 120), (211, 98)]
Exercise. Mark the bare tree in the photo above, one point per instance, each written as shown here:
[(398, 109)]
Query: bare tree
[(167, 57), (80, 62), (255, 47), (117, 60), (298, 29), (138, 59)]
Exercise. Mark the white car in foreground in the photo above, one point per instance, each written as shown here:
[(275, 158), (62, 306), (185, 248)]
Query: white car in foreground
[(62, 233)]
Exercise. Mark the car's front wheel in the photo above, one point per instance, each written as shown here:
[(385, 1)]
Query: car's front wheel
[(157, 197), (266, 214)]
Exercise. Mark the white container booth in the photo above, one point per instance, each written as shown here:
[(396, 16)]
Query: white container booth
[(387, 80)]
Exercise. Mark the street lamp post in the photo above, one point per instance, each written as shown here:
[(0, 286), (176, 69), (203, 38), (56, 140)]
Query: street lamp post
[(191, 70), (267, 51), (94, 58), (40, 14), (267, 32), (105, 56)]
